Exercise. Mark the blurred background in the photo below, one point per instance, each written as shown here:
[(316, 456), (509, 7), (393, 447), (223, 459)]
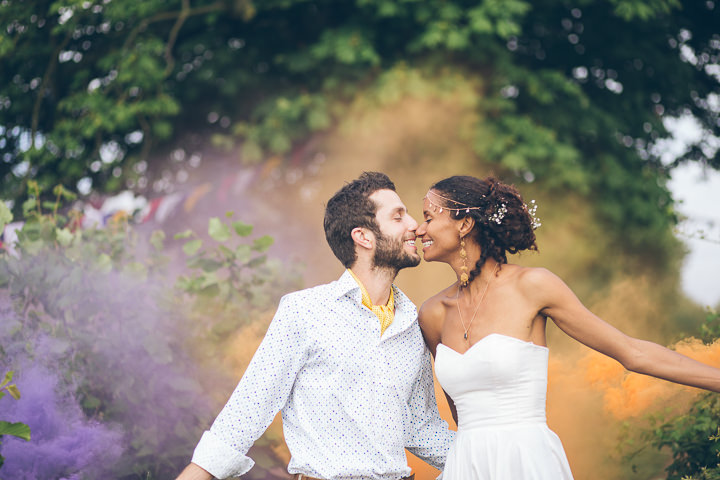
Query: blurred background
[(164, 167)]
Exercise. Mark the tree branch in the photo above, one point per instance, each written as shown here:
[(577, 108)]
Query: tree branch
[(159, 17), (147, 137), (173, 36)]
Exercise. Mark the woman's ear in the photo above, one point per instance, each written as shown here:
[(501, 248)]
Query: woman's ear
[(466, 225), (363, 237)]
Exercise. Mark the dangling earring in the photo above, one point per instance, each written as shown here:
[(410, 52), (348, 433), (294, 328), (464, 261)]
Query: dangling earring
[(463, 254)]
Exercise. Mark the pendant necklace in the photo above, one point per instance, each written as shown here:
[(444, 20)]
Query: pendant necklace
[(482, 297)]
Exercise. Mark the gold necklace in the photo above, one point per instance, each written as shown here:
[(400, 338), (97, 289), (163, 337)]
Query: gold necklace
[(482, 297)]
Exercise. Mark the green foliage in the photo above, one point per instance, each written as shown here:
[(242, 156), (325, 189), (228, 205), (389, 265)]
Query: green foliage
[(6, 215), (644, 10), (691, 437), (230, 277), (122, 334), (710, 329), (89, 89), (16, 429), (10, 388)]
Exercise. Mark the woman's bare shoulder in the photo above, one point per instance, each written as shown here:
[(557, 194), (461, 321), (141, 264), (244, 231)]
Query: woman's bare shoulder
[(535, 277), (543, 287)]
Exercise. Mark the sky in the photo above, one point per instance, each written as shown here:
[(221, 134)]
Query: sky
[(697, 193)]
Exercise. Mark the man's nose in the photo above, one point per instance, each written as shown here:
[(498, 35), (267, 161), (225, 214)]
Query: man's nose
[(413, 224)]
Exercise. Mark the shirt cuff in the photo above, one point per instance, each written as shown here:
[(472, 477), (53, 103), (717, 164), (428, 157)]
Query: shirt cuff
[(219, 459)]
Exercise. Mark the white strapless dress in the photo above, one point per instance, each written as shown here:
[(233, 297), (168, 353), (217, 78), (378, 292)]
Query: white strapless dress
[(499, 387)]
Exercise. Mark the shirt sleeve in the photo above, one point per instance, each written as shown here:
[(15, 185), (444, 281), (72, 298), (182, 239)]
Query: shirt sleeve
[(431, 435), (262, 391)]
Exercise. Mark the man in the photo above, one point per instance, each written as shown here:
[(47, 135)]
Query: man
[(345, 363)]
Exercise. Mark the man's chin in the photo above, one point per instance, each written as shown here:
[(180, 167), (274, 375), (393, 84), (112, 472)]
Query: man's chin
[(410, 261), (405, 262)]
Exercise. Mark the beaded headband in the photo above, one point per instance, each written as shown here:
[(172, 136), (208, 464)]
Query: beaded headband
[(440, 208), (496, 217)]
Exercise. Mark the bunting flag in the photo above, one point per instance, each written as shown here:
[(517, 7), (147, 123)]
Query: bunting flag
[(9, 236), (195, 196), (136, 208)]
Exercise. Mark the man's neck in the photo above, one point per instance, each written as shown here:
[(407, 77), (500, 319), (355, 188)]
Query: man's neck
[(377, 281)]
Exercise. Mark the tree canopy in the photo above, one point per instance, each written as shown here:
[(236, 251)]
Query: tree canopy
[(572, 93)]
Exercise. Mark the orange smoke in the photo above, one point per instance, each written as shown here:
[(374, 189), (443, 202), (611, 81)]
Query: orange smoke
[(418, 139), (628, 395)]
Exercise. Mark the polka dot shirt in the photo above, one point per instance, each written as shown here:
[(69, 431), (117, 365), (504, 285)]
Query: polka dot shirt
[(351, 400)]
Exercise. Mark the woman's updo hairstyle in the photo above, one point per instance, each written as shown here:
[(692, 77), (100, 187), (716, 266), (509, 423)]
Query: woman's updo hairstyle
[(503, 223)]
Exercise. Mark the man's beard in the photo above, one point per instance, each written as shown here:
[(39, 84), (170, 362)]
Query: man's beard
[(391, 254)]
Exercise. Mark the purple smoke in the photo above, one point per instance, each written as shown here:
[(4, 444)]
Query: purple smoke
[(124, 392), (64, 443), (119, 360)]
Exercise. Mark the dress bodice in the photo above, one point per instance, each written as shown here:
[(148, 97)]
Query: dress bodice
[(499, 381)]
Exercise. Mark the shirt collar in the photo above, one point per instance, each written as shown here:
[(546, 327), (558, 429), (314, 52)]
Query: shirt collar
[(346, 284), (365, 295), (405, 310)]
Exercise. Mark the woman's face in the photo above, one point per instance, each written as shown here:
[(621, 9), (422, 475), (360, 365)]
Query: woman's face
[(439, 233)]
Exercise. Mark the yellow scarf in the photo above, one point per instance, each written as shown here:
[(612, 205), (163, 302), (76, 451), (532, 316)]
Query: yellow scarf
[(386, 313)]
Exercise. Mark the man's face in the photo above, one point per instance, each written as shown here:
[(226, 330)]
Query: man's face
[(395, 247)]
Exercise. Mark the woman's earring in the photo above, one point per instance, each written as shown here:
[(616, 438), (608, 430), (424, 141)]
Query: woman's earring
[(463, 254)]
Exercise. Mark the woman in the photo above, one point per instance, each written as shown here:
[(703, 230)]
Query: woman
[(487, 333)]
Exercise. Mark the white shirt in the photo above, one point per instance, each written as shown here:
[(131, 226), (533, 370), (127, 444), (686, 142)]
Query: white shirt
[(351, 400)]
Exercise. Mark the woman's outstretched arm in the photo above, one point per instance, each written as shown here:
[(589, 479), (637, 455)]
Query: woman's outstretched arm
[(557, 301)]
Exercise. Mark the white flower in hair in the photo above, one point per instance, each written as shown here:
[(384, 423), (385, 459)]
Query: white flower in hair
[(499, 214), (532, 210)]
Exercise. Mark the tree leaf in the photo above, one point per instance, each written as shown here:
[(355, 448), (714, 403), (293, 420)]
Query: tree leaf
[(257, 261), (191, 247), (13, 391), (263, 243), (8, 378), (185, 234), (104, 263), (17, 429), (157, 238), (243, 253), (227, 253), (242, 229), (6, 215), (218, 230), (208, 265), (28, 205), (64, 236)]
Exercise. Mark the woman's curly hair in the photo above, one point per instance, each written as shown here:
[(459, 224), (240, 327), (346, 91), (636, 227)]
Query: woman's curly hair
[(503, 223)]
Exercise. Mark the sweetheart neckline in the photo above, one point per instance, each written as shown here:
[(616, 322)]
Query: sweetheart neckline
[(491, 335)]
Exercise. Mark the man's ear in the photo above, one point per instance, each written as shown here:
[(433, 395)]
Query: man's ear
[(363, 237), (466, 225)]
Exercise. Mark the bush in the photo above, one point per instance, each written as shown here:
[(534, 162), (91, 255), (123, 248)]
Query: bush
[(111, 338), (692, 437)]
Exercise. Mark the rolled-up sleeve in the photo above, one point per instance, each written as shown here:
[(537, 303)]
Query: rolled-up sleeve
[(262, 392), (431, 436)]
